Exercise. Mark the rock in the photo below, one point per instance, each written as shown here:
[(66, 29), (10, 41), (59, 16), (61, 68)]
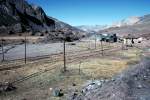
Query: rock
[(17, 28), (74, 95), (24, 99), (73, 84), (6, 87), (58, 92), (91, 85)]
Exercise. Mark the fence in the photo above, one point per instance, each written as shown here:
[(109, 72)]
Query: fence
[(26, 50), (14, 55)]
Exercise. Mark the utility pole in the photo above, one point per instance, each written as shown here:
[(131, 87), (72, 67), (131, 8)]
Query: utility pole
[(64, 55), (122, 44), (95, 40), (64, 49), (102, 48), (25, 48), (2, 44)]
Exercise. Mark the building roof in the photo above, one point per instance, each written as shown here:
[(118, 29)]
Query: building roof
[(129, 36)]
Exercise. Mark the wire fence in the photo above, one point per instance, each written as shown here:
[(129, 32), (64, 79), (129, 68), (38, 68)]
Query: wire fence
[(17, 55), (31, 51)]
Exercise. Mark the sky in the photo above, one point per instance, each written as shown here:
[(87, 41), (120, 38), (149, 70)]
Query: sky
[(93, 12)]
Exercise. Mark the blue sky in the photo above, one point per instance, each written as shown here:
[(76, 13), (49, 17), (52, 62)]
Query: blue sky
[(93, 12)]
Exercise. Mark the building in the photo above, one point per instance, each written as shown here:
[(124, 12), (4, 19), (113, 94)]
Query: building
[(109, 37), (129, 40)]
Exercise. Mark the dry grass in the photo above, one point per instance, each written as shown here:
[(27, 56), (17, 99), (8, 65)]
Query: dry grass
[(106, 67), (37, 88), (101, 68)]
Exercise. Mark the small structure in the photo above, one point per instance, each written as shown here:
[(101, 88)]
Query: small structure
[(110, 37), (129, 40), (140, 39)]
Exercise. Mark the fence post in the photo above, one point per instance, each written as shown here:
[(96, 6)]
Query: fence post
[(89, 44), (79, 67)]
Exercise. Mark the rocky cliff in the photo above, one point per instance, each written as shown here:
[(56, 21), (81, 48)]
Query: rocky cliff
[(17, 16)]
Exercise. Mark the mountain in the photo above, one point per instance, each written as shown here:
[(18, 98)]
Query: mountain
[(138, 26), (144, 19), (18, 16), (126, 22), (91, 28)]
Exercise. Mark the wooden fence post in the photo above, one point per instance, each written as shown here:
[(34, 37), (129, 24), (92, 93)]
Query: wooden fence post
[(80, 67)]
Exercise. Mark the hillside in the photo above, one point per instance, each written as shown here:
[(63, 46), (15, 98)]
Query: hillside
[(18, 16), (140, 27), (132, 84)]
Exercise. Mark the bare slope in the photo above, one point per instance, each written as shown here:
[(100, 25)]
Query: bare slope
[(133, 84)]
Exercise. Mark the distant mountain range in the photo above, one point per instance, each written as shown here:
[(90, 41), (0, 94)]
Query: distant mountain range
[(91, 28), (138, 26), (132, 21), (126, 22), (18, 16)]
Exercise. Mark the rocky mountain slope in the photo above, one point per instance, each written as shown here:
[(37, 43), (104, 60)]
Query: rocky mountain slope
[(18, 16)]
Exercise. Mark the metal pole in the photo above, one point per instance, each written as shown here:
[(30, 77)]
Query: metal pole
[(102, 48), (3, 50), (64, 56), (25, 45)]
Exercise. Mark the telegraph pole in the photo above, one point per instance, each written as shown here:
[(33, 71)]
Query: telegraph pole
[(122, 44), (64, 50), (95, 40), (2, 44), (64, 55), (25, 48), (102, 48)]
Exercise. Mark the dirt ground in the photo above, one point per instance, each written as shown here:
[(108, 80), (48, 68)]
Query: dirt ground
[(38, 86)]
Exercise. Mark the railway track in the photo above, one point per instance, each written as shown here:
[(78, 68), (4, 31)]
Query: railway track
[(55, 58), (70, 59)]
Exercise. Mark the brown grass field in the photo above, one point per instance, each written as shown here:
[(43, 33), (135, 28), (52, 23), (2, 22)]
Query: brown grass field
[(49, 74)]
